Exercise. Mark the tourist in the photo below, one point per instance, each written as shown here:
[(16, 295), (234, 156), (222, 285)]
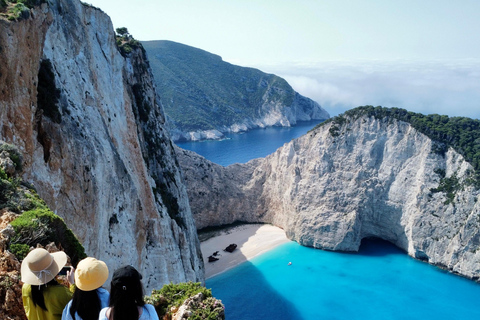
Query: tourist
[(126, 298), (89, 296), (43, 297)]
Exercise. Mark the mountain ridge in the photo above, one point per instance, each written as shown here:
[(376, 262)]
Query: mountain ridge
[(205, 97)]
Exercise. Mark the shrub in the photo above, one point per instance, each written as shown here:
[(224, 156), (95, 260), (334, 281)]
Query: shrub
[(19, 11), (20, 250), (174, 295), (449, 186), (42, 226), (210, 308)]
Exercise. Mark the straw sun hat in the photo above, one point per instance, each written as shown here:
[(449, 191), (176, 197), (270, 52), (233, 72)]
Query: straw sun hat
[(40, 267), (90, 274)]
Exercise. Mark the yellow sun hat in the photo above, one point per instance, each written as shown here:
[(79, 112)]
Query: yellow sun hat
[(90, 274)]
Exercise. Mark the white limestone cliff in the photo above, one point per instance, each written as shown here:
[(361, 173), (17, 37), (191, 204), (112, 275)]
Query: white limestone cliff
[(103, 161), (371, 178)]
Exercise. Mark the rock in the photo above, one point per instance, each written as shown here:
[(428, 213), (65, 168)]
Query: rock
[(184, 311), (8, 262), (7, 232), (6, 164)]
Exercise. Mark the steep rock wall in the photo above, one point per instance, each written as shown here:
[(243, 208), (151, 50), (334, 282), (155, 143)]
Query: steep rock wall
[(98, 153), (366, 178)]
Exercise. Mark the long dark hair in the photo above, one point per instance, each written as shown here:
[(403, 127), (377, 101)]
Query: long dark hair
[(86, 304), (126, 296), (37, 293)]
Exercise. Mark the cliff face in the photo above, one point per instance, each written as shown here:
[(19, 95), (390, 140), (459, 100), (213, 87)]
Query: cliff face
[(205, 97), (339, 184), (92, 133)]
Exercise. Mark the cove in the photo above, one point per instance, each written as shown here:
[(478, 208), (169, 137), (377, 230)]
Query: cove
[(378, 282)]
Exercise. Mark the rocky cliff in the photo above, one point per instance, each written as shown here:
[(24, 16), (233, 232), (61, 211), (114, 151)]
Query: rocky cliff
[(351, 178), (92, 132), (205, 97)]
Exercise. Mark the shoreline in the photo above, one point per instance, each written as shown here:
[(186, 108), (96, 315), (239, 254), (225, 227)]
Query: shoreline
[(251, 240)]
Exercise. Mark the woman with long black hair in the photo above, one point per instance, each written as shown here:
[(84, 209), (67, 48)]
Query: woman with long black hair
[(126, 298), (89, 296), (43, 297)]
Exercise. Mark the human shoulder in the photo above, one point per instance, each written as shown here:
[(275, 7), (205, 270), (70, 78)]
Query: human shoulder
[(104, 296), (66, 311), (149, 313)]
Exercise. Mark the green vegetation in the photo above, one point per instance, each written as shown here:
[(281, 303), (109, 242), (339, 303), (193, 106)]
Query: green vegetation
[(20, 250), (449, 186), (18, 9), (460, 133), (201, 92), (10, 197), (125, 42), (42, 226), (172, 296)]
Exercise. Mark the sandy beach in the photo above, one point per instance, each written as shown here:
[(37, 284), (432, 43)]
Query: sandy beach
[(251, 240)]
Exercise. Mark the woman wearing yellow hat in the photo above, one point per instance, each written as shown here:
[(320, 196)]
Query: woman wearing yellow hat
[(43, 297), (89, 297)]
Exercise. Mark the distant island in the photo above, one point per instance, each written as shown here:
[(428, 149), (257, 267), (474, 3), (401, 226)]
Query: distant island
[(205, 97)]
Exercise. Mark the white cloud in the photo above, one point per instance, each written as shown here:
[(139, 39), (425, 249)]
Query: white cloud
[(451, 88)]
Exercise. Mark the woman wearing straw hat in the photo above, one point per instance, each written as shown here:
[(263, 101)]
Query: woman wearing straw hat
[(126, 298), (89, 298), (43, 297)]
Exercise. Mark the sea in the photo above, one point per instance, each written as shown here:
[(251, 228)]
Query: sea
[(294, 282), (242, 147)]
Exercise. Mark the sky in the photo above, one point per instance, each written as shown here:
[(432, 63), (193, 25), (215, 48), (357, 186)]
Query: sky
[(423, 56)]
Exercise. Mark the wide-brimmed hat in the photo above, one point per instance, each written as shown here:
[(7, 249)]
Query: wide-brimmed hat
[(40, 266), (90, 274), (126, 276)]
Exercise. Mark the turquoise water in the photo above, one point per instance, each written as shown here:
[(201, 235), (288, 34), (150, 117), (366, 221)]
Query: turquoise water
[(240, 148), (379, 282)]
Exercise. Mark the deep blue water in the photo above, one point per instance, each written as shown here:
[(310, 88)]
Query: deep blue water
[(379, 282), (240, 148)]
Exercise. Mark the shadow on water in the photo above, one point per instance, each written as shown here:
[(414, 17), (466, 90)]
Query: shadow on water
[(244, 290), (247, 295)]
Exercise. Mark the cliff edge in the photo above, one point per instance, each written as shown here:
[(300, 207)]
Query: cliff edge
[(92, 131)]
